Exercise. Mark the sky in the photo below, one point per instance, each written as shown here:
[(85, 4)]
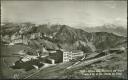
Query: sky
[(72, 13)]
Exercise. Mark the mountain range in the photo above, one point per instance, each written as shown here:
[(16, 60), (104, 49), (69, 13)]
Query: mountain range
[(111, 28), (58, 36), (66, 37)]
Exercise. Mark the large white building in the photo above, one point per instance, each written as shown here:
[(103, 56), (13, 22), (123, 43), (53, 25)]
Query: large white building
[(69, 55), (76, 53)]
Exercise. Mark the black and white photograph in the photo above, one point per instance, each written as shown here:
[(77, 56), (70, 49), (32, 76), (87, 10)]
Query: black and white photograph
[(63, 39)]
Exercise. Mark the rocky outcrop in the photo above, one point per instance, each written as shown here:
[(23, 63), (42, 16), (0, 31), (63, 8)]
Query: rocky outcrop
[(69, 38)]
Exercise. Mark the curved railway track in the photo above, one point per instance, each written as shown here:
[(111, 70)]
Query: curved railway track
[(61, 69)]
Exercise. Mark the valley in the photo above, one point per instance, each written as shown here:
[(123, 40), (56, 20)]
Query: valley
[(99, 50)]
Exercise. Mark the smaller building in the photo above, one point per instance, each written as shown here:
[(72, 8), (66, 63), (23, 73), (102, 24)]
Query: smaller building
[(29, 58)]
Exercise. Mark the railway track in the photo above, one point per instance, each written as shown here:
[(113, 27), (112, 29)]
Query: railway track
[(44, 72)]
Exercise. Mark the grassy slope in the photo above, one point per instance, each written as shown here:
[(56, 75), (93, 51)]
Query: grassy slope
[(8, 59)]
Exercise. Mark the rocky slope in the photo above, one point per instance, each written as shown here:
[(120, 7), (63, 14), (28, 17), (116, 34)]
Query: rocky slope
[(65, 36)]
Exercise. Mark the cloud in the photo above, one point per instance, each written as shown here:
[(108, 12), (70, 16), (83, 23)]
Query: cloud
[(120, 21), (84, 13)]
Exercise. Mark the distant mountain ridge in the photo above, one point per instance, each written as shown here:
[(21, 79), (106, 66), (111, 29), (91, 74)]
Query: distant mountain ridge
[(110, 28), (66, 37)]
